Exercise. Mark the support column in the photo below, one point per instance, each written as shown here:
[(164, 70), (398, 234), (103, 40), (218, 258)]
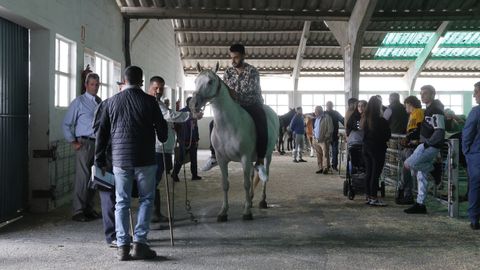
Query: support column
[(350, 37), (126, 41), (416, 67), (298, 62), (42, 94)]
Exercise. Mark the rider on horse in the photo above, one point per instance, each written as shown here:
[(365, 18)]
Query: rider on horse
[(244, 83)]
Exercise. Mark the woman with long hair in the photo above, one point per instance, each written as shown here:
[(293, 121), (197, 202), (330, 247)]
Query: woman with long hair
[(353, 130), (376, 134)]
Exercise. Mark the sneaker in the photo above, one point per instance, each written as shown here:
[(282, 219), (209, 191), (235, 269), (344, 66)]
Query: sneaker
[(112, 244), (80, 217), (405, 201), (295, 160), (175, 178), (158, 218), (123, 253), (416, 209), (158, 227), (325, 171), (475, 226), (196, 177), (211, 162), (302, 160), (142, 252), (376, 202), (319, 171), (262, 172)]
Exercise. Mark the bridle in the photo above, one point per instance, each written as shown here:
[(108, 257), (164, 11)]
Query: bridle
[(217, 92)]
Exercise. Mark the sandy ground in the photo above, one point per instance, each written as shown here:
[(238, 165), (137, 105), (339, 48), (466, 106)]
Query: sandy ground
[(309, 225)]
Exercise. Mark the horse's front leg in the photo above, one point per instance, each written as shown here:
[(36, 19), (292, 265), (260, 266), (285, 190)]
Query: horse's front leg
[(247, 169), (223, 214)]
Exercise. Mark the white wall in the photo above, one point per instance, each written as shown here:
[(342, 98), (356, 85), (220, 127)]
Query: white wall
[(154, 50)]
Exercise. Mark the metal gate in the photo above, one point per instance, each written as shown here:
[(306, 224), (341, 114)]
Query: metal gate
[(13, 118)]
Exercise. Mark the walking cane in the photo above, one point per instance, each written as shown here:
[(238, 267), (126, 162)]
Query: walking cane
[(168, 197), (131, 223)]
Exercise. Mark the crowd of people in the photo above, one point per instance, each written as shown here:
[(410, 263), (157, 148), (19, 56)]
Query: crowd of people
[(132, 136), (369, 125)]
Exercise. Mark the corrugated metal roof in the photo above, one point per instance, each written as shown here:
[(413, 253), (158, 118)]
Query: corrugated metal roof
[(205, 29)]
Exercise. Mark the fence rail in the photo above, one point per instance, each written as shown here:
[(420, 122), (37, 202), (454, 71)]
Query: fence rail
[(393, 169)]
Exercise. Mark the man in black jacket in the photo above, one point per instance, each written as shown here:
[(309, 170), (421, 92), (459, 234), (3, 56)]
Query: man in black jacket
[(130, 119), (396, 115), (336, 119), (432, 135)]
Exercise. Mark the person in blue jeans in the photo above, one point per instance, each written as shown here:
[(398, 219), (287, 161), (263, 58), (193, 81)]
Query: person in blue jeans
[(471, 150), (432, 135), (297, 126), (130, 119)]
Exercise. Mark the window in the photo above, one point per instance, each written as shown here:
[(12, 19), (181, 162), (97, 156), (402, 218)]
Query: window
[(107, 69), (109, 72), (310, 101), (453, 102), (64, 71), (278, 102)]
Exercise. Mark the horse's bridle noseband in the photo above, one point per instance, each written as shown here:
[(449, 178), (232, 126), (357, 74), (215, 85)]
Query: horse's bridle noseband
[(217, 92)]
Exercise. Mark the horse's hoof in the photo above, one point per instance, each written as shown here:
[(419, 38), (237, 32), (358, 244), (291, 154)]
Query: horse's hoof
[(263, 205), (248, 217), (222, 218)]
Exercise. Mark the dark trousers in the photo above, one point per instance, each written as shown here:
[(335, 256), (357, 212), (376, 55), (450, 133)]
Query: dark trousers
[(473, 167), (161, 165), (374, 162), (210, 128), (260, 120), (107, 201), (193, 159), (83, 191), (334, 147)]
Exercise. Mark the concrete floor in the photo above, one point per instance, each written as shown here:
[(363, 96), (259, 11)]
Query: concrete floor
[(309, 225)]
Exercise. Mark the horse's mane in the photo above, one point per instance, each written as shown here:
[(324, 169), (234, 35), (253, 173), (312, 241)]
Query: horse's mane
[(286, 118), (230, 91)]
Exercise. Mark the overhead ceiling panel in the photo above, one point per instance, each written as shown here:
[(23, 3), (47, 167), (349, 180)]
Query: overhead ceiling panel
[(272, 29)]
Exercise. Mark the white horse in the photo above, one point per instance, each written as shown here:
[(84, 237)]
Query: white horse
[(233, 135)]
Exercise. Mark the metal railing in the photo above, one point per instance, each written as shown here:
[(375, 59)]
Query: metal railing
[(393, 170)]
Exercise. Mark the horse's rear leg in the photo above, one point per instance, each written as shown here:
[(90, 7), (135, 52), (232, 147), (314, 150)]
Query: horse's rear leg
[(247, 169), (263, 200), (223, 214)]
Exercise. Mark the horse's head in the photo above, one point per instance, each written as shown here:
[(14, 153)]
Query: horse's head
[(207, 86)]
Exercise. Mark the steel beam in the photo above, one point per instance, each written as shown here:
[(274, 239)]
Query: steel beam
[(350, 37), (416, 67), (298, 60), (196, 13)]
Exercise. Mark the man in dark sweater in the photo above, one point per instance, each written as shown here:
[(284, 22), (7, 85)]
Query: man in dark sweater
[(432, 134), (396, 115), (130, 120)]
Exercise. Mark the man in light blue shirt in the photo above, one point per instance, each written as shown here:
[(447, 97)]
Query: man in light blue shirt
[(77, 129)]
